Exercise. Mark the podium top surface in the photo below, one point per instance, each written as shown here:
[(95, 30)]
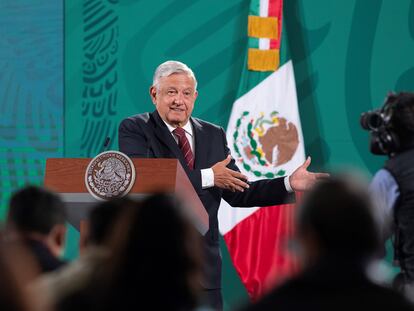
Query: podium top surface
[(67, 177)]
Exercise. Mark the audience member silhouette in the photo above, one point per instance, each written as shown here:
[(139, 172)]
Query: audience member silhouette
[(337, 238), (37, 216), (101, 220), (155, 263)]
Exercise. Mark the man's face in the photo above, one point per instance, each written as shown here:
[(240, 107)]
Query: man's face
[(174, 98)]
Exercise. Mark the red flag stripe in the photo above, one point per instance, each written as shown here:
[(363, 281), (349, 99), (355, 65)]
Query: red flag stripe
[(276, 10), (258, 246)]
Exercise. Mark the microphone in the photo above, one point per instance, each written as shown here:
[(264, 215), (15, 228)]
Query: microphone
[(105, 144)]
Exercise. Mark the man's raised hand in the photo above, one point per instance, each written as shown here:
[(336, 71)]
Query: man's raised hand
[(226, 178), (301, 179)]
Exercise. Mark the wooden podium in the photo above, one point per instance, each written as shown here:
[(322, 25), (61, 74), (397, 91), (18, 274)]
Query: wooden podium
[(66, 176)]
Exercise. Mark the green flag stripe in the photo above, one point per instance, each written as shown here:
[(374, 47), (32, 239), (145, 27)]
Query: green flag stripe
[(284, 46), (254, 7), (253, 43)]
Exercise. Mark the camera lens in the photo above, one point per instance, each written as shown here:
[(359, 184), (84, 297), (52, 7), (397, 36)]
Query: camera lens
[(371, 120)]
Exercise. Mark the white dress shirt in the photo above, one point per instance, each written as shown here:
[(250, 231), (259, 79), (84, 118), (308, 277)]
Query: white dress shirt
[(207, 175)]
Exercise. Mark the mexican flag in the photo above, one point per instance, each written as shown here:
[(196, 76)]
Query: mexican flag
[(265, 137)]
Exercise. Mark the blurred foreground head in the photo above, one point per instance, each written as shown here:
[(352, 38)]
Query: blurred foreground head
[(336, 219), (39, 214), (157, 254), (102, 219), (34, 209)]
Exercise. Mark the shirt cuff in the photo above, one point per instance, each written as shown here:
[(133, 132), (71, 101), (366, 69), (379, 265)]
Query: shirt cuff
[(287, 184), (207, 178)]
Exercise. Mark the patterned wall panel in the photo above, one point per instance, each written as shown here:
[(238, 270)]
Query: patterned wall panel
[(347, 55), (31, 91), (99, 74)]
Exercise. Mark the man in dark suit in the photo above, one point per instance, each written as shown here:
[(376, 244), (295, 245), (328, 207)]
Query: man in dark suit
[(201, 147)]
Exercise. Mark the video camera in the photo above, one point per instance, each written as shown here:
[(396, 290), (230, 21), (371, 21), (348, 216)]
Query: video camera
[(384, 140)]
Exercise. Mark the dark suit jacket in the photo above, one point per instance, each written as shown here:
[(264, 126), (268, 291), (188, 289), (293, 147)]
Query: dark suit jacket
[(46, 260), (147, 136)]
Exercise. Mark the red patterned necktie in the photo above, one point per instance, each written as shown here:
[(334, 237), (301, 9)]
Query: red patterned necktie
[(184, 146)]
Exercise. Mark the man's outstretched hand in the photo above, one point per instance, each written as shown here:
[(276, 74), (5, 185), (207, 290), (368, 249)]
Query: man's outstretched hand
[(301, 179), (226, 178)]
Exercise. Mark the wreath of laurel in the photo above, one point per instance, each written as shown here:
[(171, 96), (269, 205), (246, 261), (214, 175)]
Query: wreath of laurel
[(253, 145)]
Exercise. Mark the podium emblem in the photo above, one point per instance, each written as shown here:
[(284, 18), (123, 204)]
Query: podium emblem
[(109, 175)]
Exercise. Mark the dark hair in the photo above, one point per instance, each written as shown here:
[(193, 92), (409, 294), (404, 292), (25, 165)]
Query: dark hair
[(160, 257), (35, 209), (103, 217), (339, 214)]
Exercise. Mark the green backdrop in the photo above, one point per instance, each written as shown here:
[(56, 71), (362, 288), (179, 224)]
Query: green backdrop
[(347, 55)]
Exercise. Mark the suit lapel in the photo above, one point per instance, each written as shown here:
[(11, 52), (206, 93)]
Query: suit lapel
[(165, 137), (200, 139)]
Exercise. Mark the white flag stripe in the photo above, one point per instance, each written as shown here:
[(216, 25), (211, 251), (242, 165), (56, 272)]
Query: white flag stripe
[(264, 44), (264, 8), (276, 92)]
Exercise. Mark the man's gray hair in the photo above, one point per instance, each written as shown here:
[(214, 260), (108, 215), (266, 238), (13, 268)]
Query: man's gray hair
[(170, 67)]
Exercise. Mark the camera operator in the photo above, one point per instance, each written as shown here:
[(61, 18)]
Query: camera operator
[(392, 134)]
